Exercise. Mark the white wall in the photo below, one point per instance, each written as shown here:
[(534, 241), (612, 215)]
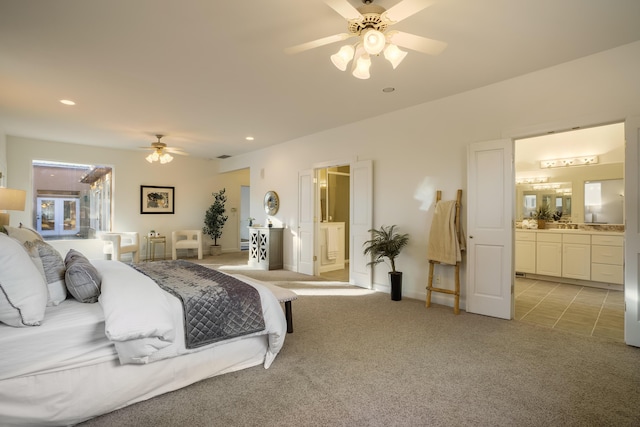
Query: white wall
[(194, 180), (423, 148)]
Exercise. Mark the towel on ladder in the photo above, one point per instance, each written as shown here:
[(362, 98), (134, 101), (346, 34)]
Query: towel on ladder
[(332, 242), (445, 245)]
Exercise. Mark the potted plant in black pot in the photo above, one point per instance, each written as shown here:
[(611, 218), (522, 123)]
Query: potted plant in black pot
[(214, 220), (385, 243)]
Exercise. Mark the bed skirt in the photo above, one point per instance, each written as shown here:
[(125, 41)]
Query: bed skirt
[(97, 389)]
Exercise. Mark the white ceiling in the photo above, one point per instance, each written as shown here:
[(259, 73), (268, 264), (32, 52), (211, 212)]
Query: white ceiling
[(208, 73)]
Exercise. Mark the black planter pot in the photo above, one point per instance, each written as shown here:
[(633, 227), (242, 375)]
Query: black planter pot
[(396, 285)]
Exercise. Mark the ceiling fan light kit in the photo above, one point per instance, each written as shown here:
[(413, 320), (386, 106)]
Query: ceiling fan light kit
[(159, 156), (160, 152), (369, 23)]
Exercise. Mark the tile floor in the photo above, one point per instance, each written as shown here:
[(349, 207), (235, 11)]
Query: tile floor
[(582, 310)]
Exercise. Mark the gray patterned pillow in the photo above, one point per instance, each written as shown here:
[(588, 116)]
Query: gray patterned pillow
[(51, 266), (82, 279)]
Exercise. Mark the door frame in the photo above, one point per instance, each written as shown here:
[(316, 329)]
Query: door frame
[(357, 278), (568, 125)]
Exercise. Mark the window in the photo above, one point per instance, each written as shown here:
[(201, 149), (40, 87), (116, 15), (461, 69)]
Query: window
[(71, 201)]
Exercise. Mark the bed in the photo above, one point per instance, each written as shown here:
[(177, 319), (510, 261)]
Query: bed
[(85, 359)]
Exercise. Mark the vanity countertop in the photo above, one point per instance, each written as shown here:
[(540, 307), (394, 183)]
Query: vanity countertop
[(571, 231)]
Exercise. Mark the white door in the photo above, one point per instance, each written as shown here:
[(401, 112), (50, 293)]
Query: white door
[(361, 187), (306, 222), (632, 232), (490, 205), (57, 216)]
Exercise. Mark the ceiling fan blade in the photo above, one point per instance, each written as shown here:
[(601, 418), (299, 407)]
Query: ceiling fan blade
[(406, 8), (317, 43), (420, 44), (344, 8), (179, 151)]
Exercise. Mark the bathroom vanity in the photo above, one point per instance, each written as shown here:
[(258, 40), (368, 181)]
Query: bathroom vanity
[(582, 257)]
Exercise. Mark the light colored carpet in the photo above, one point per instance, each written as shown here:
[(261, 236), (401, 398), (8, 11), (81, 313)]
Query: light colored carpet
[(357, 358)]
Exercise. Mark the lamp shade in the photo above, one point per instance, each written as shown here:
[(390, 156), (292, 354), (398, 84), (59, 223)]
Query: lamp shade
[(361, 67), (12, 200), (394, 55), (373, 41), (165, 158), (342, 58)]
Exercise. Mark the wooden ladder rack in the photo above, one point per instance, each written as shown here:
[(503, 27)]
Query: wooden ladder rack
[(455, 292)]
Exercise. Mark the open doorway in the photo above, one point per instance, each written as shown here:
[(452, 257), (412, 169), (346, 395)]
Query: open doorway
[(245, 211), (334, 228), (569, 271)]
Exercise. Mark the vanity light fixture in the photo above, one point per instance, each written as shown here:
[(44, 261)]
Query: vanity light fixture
[(533, 180), (550, 186), (571, 161)]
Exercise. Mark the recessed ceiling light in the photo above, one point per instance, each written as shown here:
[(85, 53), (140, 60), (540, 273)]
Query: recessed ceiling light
[(249, 138), (67, 102), (388, 89)]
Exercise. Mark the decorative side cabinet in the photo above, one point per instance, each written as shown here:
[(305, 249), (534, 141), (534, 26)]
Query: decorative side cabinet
[(265, 248)]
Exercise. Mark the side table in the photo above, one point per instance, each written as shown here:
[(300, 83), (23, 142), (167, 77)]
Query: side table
[(151, 246)]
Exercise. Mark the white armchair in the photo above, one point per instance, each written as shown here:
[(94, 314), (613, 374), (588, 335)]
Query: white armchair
[(186, 239), (116, 244)]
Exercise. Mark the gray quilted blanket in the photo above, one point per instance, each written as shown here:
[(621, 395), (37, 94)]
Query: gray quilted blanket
[(216, 305)]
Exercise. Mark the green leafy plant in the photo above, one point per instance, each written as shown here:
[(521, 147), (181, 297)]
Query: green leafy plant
[(543, 213), (385, 243), (214, 218)]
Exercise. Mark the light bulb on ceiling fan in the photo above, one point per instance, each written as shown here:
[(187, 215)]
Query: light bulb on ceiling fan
[(373, 41), (361, 67), (342, 58)]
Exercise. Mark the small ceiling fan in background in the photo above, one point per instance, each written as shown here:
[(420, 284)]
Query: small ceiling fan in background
[(370, 24), (161, 152)]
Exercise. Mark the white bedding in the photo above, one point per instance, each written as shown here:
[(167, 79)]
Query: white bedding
[(144, 323), (71, 335), (144, 333)]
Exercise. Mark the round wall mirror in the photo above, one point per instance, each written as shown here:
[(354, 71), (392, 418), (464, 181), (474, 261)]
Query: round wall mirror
[(271, 203)]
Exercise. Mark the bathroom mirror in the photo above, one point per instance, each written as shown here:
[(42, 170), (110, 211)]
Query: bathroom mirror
[(557, 195), (604, 201)]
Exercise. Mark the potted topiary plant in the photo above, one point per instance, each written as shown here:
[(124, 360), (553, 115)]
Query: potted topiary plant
[(543, 214), (214, 220), (386, 243)]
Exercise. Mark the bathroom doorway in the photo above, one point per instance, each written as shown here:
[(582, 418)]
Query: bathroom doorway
[(561, 171), (334, 222)]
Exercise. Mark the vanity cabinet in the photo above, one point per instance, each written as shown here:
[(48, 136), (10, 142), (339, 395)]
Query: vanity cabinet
[(525, 252), (607, 259), (549, 254), (265, 248), (576, 256), (585, 256)]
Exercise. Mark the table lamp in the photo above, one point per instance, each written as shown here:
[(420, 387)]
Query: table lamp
[(10, 200)]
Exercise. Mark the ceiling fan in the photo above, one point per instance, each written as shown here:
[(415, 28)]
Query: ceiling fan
[(371, 25), (161, 151)]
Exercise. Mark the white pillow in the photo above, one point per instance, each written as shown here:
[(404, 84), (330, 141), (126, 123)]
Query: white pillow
[(23, 292), (22, 234)]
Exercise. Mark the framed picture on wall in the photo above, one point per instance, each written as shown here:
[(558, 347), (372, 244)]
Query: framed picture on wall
[(157, 200)]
